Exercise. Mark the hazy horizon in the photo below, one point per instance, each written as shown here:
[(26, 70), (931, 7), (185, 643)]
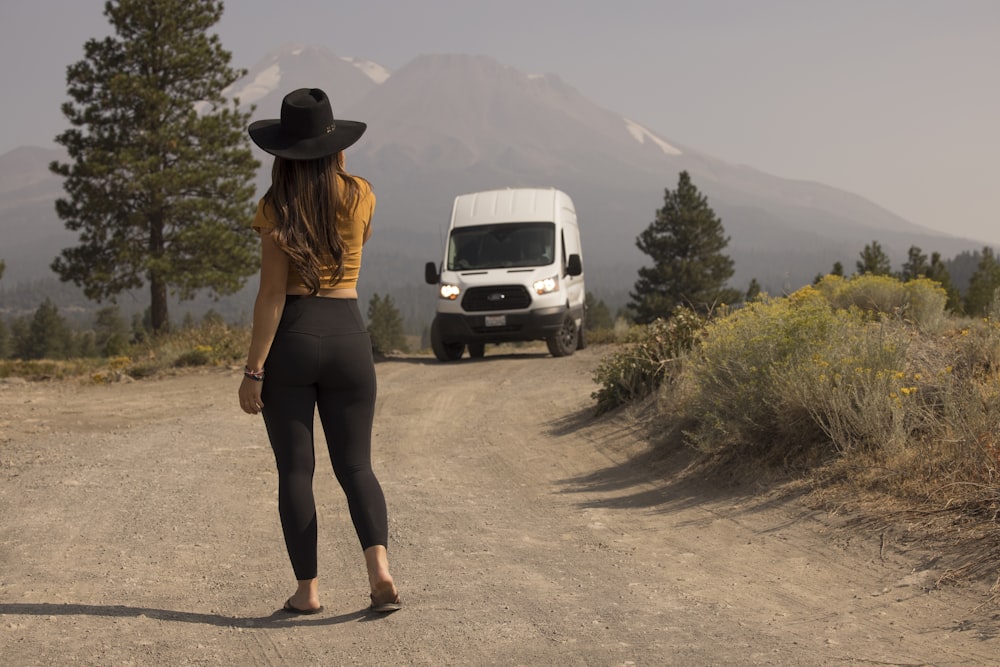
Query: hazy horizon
[(893, 100)]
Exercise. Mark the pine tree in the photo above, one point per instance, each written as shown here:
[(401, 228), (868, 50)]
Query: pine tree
[(111, 332), (160, 179), (20, 337), (938, 272), (753, 290), (961, 267), (598, 314), (685, 241), (385, 325), (874, 261), (979, 297), (6, 345), (915, 266), (48, 336)]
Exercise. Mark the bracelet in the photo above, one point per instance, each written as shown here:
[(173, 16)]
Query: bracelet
[(257, 376)]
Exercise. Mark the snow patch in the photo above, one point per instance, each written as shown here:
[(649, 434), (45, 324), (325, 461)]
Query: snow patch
[(266, 81), (640, 134), (373, 71)]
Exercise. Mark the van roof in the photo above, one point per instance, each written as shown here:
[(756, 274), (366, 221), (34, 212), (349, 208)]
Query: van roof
[(509, 205)]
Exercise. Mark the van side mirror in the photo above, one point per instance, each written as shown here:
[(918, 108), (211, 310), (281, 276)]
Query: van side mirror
[(431, 274), (574, 265)]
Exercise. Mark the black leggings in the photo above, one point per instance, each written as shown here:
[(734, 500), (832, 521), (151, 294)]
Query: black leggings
[(322, 358)]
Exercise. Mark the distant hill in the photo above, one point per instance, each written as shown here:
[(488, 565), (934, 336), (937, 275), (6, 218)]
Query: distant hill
[(443, 125)]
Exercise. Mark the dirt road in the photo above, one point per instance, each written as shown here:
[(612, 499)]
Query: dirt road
[(140, 528)]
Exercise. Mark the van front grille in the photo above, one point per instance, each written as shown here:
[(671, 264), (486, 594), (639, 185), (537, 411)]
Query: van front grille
[(498, 297)]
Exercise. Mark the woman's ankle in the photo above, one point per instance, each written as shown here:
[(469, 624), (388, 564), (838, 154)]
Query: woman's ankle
[(377, 563)]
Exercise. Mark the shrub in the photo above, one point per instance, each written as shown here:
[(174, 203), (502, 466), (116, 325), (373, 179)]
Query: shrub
[(201, 355), (857, 387), (644, 362), (385, 326), (921, 301), (732, 385)]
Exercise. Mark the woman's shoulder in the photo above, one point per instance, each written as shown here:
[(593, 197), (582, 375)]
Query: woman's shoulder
[(364, 185), (264, 218)]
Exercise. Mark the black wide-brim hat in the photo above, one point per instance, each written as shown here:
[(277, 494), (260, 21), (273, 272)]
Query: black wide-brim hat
[(306, 129)]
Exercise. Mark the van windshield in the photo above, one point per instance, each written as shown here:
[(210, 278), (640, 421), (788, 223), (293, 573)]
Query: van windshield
[(508, 244)]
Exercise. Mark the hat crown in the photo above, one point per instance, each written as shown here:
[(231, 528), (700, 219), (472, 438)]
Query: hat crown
[(306, 113), (306, 129)]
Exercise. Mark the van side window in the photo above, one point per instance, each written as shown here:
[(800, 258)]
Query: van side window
[(562, 239)]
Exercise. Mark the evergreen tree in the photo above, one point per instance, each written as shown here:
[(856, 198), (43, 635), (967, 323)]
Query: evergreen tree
[(938, 272), (160, 179), (6, 344), (385, 325), (983, 285), (961, 267), (753, 290), (915, 266), (874, 261), (111, 333), (685, 241), (20, 337), (85, 345), (48, 336), (6, 348), (838, 269), (598, 314)]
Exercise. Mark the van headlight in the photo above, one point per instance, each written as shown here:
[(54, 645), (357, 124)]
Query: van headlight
[(449, 292), (546, 285)]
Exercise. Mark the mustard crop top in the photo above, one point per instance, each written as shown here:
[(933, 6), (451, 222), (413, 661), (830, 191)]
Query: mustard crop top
[(352, 230)]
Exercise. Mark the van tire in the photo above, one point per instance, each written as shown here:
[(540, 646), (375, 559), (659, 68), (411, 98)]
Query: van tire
[(563, 342), (476, 350), (442, 350)]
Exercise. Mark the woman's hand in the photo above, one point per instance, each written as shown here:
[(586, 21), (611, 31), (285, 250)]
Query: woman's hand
[(250, 396)]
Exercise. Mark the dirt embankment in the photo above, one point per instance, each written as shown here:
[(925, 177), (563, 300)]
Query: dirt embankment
[(140, 528)]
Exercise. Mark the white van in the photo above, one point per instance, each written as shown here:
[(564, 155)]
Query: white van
[(512, 271)]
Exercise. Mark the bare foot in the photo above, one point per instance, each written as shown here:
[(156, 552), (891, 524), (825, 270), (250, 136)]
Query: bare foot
[(385, 597)]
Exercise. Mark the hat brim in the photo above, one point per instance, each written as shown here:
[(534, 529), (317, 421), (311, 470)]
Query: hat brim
[(270, 137)]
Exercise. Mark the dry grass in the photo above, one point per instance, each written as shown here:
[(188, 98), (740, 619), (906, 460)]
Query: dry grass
[(210, 344), (862, 390)]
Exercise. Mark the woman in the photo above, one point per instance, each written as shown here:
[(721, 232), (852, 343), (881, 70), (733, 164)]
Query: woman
[(309, 348)]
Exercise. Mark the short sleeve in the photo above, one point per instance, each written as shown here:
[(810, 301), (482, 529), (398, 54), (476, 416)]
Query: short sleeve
[(262, 221), (366, 205)]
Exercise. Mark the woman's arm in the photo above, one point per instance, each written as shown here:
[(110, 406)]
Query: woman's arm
[(267, 311)]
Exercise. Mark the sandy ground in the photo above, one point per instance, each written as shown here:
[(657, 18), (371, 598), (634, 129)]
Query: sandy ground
[(140, 528)]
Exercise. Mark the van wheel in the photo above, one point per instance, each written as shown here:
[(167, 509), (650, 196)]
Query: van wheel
[(563, 342), (477, 350), (444, 351)]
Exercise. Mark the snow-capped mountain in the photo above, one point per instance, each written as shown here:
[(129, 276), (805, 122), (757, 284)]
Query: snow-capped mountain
[(346, 80), (443, 125), (373, 70)]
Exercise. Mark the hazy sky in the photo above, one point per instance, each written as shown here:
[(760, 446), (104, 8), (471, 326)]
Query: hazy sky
[(895, 100)]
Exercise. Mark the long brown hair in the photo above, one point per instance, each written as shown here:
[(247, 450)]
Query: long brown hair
[(308, 197)]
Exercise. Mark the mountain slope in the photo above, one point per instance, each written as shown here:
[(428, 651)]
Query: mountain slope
[(443, 125), (296, 66), (447, 124)]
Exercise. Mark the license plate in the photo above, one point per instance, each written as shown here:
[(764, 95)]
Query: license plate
[(496, 320)]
